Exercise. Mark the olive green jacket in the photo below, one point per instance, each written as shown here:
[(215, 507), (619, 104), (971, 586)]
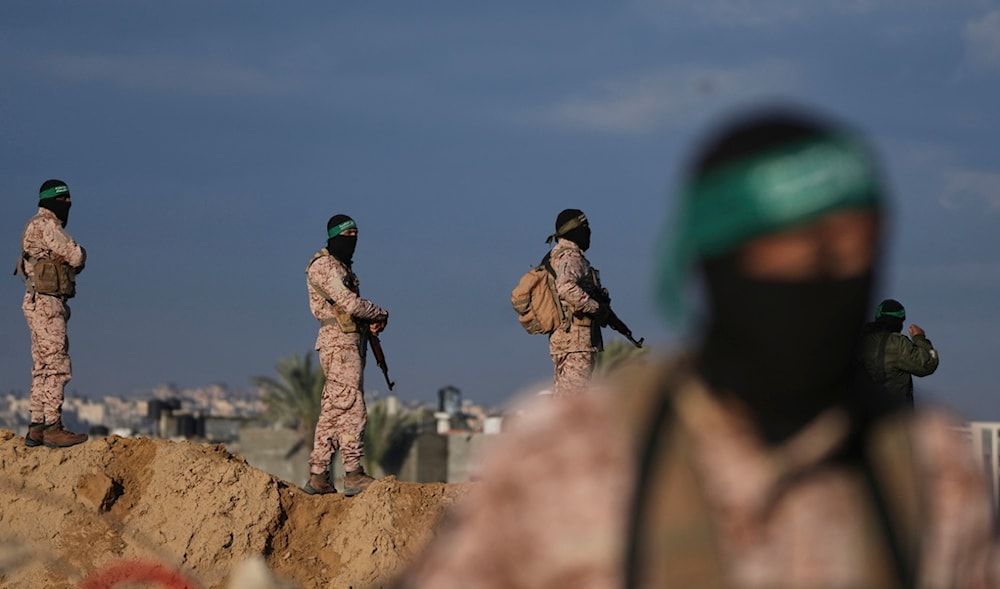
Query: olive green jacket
[(902, 360)]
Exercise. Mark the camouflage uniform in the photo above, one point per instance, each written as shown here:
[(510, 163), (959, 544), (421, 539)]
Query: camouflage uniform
[(47, 315), (554, 508), (342, 416), (574, 347)]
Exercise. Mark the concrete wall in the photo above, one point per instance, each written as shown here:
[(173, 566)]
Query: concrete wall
[(427, 460), (984, 437), (280, 452), (464, 450), (433, 457), (444, 458)]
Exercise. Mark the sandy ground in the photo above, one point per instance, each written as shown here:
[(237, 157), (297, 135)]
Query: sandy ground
[(75, 517)]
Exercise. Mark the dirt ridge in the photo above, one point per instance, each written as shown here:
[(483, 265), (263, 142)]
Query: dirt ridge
[(66, 514)]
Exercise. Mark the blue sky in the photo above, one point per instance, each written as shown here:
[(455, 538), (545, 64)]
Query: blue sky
[(207, 142)]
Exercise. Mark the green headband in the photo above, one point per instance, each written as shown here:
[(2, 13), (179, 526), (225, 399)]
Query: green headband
[(53, 192), (740, 201), (900, 314), (338, 229), (568, 226)]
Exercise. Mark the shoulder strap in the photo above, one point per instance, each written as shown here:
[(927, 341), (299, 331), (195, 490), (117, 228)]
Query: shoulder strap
[(320, 254), (662, 452), (649, 447), (319, 289), (565, 317), (903, 564), (547, 263)]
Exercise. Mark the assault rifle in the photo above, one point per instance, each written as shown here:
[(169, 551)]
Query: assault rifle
[(615, 323), (376, 345), (612, 320)]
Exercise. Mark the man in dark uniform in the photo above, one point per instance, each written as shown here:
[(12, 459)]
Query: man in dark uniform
[(890, 358)]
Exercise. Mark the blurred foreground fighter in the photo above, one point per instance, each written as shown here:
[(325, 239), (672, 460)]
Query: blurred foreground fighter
[(49, 262), (889, 357), (345, 319), (574, 346), (754, 461)]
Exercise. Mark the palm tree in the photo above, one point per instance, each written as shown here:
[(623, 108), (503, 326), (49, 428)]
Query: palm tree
[(388, 436), (293, 399)]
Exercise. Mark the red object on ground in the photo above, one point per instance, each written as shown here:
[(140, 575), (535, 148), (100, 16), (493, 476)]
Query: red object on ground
[(136, 571)]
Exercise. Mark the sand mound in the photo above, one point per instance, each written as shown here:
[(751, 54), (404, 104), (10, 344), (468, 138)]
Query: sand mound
[(74, 514)]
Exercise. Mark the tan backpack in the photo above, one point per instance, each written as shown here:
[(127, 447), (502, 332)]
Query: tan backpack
[(536, 302)]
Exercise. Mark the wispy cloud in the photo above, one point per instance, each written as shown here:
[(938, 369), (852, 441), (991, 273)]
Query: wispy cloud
[(941, 173), (652, 100), (964, 188), (982, 41), (213, 76)]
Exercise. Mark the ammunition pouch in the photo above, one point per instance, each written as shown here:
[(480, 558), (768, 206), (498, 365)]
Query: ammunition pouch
[(341, 319), (53, 278)]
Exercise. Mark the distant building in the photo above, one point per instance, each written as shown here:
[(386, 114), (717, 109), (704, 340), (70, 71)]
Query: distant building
[(984, 440)]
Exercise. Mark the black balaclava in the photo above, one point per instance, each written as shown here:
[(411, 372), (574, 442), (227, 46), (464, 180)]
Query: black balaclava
[(784, 348), (579, 233), (341, 246), (47, 194)]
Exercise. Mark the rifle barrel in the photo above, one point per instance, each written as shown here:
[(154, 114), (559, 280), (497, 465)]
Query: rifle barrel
[(615, 323)]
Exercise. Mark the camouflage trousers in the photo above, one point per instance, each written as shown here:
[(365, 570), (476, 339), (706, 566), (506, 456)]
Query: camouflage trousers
[(342, 417), (51, 368), (572, 372)]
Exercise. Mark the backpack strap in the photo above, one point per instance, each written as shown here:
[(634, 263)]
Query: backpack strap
[(565, 317), (547, 259)]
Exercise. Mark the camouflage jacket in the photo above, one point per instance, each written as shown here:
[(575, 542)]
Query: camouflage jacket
[(45, 238), (579, 289), (561, 504), (333, 288)]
